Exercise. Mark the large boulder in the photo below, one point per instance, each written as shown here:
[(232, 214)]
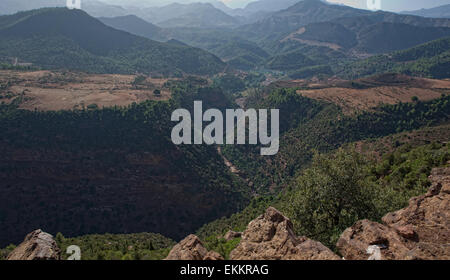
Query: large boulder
[(37, 245), (354, 242), (191, 248), (271, 237), (419, 231)]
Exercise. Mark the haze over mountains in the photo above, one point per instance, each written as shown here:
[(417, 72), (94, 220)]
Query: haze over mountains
[(184, 13), (207, 14), (150, 11)]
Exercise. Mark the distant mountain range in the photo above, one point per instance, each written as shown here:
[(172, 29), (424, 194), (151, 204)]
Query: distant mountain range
[(438, 12), (259, 9), (367, 35), (431, 60), (310, 33), (269, 5), (135, 25), (298, 15), (277, 15), (189, 15), (312, 11), (63, 38), (209, 15), (229, 46)]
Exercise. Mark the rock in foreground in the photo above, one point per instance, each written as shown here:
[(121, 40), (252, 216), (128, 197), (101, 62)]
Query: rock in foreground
[(420, 231), (271, 237), (37, 245)]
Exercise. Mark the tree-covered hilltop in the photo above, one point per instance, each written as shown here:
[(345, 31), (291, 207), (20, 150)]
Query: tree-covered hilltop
[(430, 60), (60, 38)]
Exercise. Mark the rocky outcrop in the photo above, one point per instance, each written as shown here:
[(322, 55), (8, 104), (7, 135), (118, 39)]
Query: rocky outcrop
[(191, 248), (354, 243), (37, 245), (271, 237), (419, 231), (230, 235)]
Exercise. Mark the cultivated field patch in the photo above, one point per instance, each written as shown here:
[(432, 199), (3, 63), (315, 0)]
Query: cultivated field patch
[(48, 91)]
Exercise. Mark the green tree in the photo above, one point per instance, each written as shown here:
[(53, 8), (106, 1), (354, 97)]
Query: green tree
[(332, 195), (59, 238)]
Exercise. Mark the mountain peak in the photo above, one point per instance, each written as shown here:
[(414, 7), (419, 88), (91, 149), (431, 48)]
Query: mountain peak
[(301, 14)]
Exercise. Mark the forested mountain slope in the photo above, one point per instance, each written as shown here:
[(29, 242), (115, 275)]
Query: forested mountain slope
[(71, 39)]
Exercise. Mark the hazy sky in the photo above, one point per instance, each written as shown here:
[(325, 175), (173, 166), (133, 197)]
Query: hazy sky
[(390, 5)]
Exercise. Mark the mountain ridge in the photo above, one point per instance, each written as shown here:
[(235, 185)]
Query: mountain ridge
[(437, 12), (135, 25), (87, 39)]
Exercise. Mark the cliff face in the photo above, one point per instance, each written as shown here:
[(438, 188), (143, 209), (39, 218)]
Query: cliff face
[(419, 231)]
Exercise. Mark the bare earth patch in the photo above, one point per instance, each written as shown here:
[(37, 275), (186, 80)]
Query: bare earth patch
[(48, 91), (293, 37), (352, 100)]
